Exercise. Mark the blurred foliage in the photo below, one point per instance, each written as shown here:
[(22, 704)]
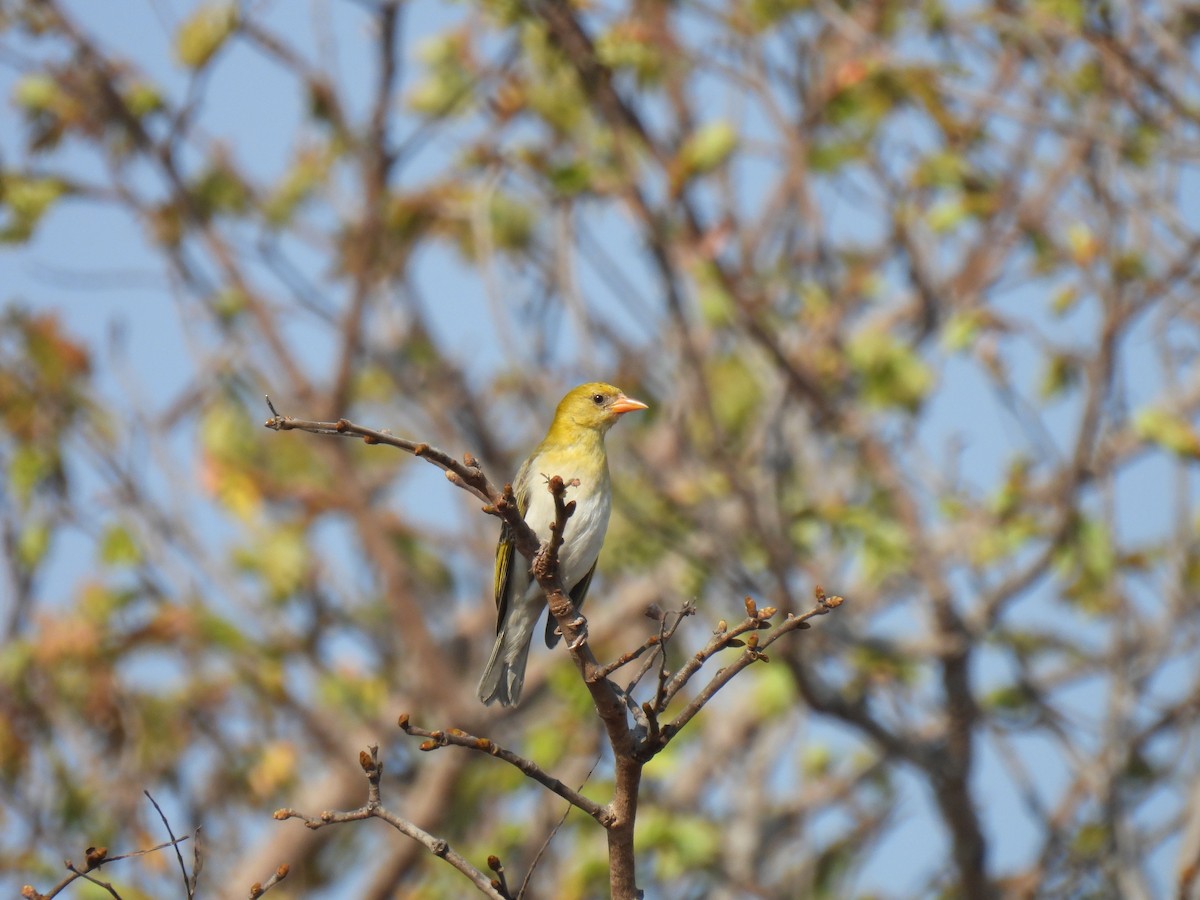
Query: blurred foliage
[(908, 286)]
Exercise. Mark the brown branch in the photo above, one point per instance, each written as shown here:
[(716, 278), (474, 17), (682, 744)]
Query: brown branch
[(466, 474), (94, 857), (374, 809), (629, 656), (655, 641), (458, 738), (377, 159), (723, 637), (259, 888), (96, 881), (189, 884), (753, 652)]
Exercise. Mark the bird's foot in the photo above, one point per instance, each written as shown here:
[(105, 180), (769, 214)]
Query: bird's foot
[(581, 624)]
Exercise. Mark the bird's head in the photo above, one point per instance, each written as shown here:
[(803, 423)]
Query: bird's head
[(594, 405)]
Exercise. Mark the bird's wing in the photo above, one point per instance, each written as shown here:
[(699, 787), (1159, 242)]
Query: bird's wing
[(578, 593), (506, 547)]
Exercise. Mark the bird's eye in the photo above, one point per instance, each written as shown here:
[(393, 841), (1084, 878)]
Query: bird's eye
[(598, 399)]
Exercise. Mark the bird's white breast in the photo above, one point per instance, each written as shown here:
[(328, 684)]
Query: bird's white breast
[(585, 529)]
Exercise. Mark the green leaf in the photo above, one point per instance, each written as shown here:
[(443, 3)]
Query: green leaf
[(1082, 243), (943, 169), (445, 88), (511, 222), (220, 632), (33, 542), (26, 200), (98, 604), (879, 662), (678, 842), (1010, 698), (362, 694), (946, 215), (571, 179), (37, 93), (283, 560), (773, 690), (1141, 145), (1087, 563), (885, 547), (716, 304), (817, 761), (220, 190), (961, 330), (1011, 496), (1158, 426), (203, 34), (763, 14), (1091, 840), (707, 148), (118, 547), (1064, 300), (1129, 266), (1009, 536), (228, 304), (143, 99), (29, 466), (1061, 374), (741, 395), (1068, 12), (307, 173), (830, 155), (893, 375), (226, 431), (627, 45)]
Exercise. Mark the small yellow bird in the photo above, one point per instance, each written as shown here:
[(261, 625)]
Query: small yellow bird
[(573, 448)]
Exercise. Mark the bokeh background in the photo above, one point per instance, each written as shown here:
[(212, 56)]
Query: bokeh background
[(910, 287)]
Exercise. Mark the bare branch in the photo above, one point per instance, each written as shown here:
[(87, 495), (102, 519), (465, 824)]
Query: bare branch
[(373, 809), (95, 857), (465, 474), (753, 652), (458, 738), (259, 888), (189, 884)]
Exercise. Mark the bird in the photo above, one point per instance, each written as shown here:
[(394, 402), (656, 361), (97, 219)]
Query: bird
[(573, 449)]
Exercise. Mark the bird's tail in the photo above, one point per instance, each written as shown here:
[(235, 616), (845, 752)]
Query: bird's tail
[(505, 673)]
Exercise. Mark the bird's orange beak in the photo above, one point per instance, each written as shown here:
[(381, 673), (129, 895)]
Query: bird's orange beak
[(625, 404)]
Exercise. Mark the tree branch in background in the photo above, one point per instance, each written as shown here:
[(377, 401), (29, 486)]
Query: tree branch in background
[(94, 858), (374, 809)]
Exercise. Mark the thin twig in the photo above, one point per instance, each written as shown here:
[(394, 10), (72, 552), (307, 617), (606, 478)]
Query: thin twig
[(537, 857), (723, 637), (188, 885), (95, 857), (465, 473), (754, 647), (459, 738), (258, 889), (96, 881), (374, 809)]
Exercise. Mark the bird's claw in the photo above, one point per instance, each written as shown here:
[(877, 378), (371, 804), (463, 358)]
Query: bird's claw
[(581, 624)]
